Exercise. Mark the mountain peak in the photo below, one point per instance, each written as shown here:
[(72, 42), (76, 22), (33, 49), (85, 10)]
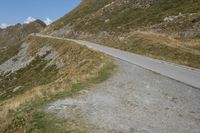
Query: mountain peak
[(40, 22), (13, 34)]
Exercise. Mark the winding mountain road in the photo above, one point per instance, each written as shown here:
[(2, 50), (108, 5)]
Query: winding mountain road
[(187, 75), (134, 99)]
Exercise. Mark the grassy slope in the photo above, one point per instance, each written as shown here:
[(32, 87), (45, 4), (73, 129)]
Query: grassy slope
[(81, 65), (125, 16), (29, 77), (89, 18), (31, 117), (87, 7), (159, 47), (9, 52)]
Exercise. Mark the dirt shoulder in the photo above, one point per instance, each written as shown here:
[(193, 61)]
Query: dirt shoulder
[(133, 100)]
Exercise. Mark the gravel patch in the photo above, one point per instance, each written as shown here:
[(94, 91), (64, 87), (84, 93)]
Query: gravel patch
[(134, 100)]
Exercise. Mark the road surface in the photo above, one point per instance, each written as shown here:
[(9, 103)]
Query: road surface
[(132, 100), (135, 99), (187, 75)]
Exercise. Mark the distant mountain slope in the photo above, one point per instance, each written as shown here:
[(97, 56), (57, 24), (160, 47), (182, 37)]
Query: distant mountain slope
[(163, 29), (14, 34)]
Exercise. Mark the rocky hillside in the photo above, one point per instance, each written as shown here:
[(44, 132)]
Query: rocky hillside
[(35, 70), (14, 34), (167, 30), (40, 69), (41, 60)]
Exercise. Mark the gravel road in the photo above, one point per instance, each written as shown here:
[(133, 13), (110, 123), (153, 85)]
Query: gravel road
[(133, 100)]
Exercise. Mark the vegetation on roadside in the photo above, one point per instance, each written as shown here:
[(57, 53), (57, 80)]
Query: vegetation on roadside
[(158, 47), (32, 117), (25, 92)]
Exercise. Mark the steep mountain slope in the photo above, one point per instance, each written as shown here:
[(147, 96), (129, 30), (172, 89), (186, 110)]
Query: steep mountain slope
[(35, 70), (117, 15), (40, 69), (167, 30), (14, 34), (41, 60)]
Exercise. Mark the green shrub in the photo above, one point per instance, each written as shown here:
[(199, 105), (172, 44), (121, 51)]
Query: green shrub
[(18, 122)]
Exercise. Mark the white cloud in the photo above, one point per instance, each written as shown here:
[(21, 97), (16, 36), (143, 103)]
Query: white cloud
[(3, 26), (29, 20), (47, 21)]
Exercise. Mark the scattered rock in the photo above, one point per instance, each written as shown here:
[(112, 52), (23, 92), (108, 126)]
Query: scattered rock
[(17, 88), (21, 60), (107, 20), (172, 18)]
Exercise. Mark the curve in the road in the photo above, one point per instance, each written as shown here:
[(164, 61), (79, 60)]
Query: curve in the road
[(187, 75)]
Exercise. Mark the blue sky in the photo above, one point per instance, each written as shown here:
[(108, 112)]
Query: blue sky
[(17, 11)]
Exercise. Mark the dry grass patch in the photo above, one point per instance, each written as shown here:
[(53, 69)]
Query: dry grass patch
[(80, 64), (157, 46), (163, 39)]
